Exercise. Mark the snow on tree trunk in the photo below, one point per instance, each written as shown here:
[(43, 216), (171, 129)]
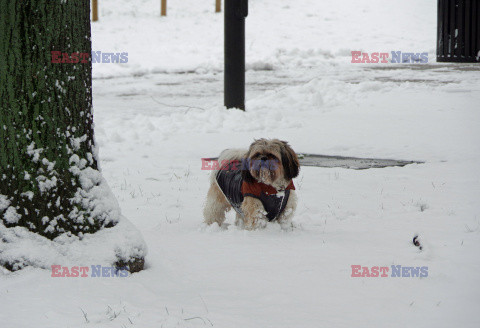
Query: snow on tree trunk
[(49, 178)]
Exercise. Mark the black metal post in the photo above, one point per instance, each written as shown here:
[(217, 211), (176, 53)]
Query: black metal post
[(458, 31), (235, 13)]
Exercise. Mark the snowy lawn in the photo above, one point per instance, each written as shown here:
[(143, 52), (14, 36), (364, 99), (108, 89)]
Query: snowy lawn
[(158, 115)]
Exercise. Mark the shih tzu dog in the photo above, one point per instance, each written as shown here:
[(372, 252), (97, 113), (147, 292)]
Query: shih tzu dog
[(257, 183)]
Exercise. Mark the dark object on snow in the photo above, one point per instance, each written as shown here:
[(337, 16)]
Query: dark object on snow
[(135, 264), (458, 31), (416, 242), (235, 13)]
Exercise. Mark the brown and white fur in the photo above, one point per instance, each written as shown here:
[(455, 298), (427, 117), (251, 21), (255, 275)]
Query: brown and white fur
[(278, 176)]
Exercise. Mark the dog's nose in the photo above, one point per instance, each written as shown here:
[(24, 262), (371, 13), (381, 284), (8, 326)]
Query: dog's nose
[(264, 158)]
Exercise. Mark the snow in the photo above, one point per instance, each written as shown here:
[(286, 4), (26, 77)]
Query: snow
[(94, 196), (103, 248), (26, 175), (45, 184), (34, 152), (159, 114), (28, 194), (4, 202), (11, 216)]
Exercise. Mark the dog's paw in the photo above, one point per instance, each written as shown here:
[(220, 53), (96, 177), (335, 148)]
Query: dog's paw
[(288, 225), (249, 224), (259, 223), (214, 227)]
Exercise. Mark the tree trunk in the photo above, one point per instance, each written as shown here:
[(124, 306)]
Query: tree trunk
[(48, 169)]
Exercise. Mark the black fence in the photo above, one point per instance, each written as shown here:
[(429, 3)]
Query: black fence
[(458, 37)]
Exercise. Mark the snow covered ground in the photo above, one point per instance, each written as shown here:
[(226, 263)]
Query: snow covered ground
[(160, 113)]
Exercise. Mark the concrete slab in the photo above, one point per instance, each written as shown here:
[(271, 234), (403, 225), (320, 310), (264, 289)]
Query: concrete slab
[(353, 163)]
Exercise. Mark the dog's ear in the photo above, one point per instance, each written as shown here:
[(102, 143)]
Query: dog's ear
[(291, 166), (246, 175)]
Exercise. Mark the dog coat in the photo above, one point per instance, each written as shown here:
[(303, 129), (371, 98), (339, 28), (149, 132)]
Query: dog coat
[(235, 189)]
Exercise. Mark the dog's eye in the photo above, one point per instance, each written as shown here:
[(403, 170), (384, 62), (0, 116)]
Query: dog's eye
[(256, 155), (271, 156)]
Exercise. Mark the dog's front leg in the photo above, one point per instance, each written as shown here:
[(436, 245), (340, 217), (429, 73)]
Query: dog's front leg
[(285, 218), (254, 213)]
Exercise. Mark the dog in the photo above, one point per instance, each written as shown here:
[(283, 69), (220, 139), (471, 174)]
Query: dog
[(257, 183)]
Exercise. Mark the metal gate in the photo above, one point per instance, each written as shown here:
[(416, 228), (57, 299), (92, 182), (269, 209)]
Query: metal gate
[(458, 38)]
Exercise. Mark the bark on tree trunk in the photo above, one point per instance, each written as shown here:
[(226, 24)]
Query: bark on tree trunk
[(48, 167)]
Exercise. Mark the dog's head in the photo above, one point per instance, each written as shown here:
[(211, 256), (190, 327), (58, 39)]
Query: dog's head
[(272, 162)]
